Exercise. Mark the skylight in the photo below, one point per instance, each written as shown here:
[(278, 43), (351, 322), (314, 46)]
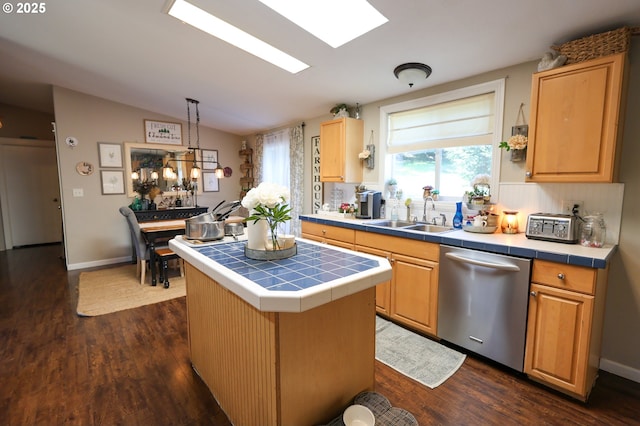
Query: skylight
[(215, 26), (335, 22)]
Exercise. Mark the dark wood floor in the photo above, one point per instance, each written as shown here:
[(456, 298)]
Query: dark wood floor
[(132, 368)]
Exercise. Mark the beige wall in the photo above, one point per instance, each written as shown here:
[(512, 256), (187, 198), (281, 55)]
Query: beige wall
[(621, 347), (95, 232), (621, 344), (24, 123)]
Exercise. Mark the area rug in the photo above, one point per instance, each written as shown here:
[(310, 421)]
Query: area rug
[(415, 356), (116, 289)]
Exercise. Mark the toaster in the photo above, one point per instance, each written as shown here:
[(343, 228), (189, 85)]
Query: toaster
[(562, 228)]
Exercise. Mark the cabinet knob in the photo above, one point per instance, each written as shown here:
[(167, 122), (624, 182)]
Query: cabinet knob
[(533, 293), (324, 232), (561, 276), (528, 174)]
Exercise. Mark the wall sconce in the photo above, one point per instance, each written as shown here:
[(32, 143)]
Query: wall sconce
[(135, 175), (509, 223), (412, 72)]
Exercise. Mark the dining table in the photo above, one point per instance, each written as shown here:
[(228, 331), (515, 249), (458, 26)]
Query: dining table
[(156, 231)]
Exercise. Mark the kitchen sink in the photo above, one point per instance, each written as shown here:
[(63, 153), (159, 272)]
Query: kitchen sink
[(412, 226), (393, 223), (427, 227)]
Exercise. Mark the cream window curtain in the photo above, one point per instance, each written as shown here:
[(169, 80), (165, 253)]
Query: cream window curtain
[(280, 159)]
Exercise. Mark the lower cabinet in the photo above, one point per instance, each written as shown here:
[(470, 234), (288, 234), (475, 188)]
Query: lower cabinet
[(383, 290), (564, 329), (411, 297), (414, 292)]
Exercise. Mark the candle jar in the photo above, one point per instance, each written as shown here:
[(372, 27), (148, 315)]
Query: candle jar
[(509, 223)]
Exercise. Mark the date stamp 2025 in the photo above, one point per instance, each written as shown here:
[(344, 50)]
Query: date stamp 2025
[(24, 8)]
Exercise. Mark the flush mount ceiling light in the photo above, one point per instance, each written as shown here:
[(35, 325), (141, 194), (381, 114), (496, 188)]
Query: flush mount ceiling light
[(335, 22), (216, 27), (412, 72)]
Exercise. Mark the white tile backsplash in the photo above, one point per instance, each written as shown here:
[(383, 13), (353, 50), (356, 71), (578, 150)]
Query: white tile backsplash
[(529, 198)]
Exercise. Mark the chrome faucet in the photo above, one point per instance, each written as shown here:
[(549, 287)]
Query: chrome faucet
[(434, 221), (424, 212)]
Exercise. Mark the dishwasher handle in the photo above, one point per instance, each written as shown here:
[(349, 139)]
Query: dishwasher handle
[(494, 265)]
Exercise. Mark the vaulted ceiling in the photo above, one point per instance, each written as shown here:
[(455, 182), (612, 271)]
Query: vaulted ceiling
[(134, 53)]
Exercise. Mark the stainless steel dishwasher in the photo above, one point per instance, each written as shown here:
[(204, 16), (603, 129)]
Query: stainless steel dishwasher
[(482, 303)]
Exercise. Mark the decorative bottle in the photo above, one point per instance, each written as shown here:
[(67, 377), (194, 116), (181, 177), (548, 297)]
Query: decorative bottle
[(457, 218)]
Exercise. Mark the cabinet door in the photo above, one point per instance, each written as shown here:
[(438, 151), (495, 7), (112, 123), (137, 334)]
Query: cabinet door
[(340, 142), (575, 122), (332, 151), (414, 293), (558, 337), (383, 290)]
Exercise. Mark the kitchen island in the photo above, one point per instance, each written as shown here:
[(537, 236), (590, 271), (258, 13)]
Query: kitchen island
[(287, 342)]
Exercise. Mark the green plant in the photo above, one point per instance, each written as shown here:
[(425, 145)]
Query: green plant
[(392, 181), (143, 187), (336, 109)]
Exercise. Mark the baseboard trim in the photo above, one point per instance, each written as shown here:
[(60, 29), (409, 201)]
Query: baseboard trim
[(102, 262), (620, 369)]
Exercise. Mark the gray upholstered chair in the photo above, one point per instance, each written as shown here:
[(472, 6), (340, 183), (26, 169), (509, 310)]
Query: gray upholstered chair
[(137, 240)]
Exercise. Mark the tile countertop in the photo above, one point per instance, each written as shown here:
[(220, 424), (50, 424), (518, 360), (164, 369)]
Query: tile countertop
[(510, 244), (318, 274)]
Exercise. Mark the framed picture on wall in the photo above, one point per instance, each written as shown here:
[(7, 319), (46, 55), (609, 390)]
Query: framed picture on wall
[(112, 182), (162, 132), (210, 182), (209, 159), (110, 155)]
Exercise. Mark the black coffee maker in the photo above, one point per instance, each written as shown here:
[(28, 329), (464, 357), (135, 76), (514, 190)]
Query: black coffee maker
[(369, 203)]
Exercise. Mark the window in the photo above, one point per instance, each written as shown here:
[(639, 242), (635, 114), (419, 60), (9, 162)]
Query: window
[(444, 140)]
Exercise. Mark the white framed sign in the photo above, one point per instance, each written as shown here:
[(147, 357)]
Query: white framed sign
[(162, 132), (209, 182), (110, 154), (112, 182), (316, 185)]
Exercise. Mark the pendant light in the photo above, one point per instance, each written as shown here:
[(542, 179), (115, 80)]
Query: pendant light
[(195, 170)]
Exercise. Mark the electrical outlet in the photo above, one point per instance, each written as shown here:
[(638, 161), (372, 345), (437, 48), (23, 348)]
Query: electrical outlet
[(567, 206), (78, 192)]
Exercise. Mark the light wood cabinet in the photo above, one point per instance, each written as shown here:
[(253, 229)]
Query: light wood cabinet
[(413, 290), (383, 290), (575, 131), (334, 235), (564, 330), (340, 142)]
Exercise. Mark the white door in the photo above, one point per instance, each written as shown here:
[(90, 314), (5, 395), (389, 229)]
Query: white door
[(32, 194)]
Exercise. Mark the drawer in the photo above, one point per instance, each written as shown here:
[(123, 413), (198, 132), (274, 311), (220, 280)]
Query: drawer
[(330, 232), (399, 245), (567, 277)]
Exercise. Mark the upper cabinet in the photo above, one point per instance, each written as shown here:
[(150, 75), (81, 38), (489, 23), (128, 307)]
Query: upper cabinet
[(575, 131), (340, 142)]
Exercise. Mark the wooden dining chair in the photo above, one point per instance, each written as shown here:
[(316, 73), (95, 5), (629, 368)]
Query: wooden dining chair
[(164, 254)]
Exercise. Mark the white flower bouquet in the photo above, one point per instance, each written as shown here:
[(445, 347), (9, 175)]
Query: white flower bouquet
[(268, 201)]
